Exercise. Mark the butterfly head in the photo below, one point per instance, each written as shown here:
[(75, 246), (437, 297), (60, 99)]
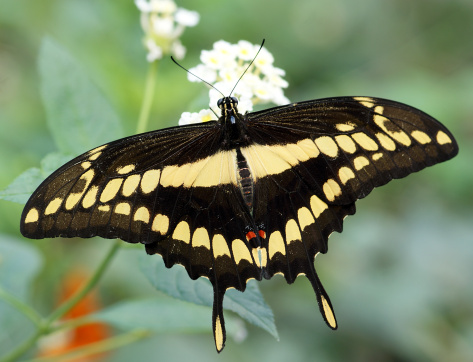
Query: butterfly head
[(228, 106)]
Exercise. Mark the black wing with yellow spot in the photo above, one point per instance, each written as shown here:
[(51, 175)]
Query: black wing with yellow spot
[(248, 196)]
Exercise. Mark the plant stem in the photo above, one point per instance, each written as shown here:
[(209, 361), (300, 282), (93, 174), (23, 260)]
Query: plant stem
[(98, 347), (45, 326), (25, 309), (24, 347), (69, 304), (147, 98)]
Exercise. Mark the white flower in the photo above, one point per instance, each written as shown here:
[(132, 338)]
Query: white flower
[(246, 50), (204, 115), (163, 23), (223, 66), (187, 17), (210, 75)]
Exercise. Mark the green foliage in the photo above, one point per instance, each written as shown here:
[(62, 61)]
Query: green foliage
[(175, 282), (23, 186), (163, 315), (79, 116), (19, 265)]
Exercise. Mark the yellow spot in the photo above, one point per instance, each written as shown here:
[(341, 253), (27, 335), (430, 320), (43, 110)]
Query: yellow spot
[(174, 175), (346, 143), (260, 256), (385, 141), (218, 334), (150, 181), (327, 145), (32, 216), (95, 156), (305, 217), (364, 141), (111, 189), (292, 231), (262, 161), (74, 198), (308, 146), (360, 162), (399, 135), (130, 185), (421, 137), (379, 109), (365, 101), (142, 214), (219, 246), (377, 156), (160, 224), (345, 127), (330, 317), (97, 149), (90, 197), (276, 244), (201, 238), (297, 152), (85, 165), (53, 206), (104, 208), (332, 189), (219, 168), (122, 170), (442, 138), (123, 208), (240, 251), (317, 206), (345, 174), (182, 232)]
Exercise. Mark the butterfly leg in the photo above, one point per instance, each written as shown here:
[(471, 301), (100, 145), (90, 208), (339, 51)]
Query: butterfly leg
[(323, 300), (218, 323)]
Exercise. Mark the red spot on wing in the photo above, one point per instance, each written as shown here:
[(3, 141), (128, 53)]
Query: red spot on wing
[(250, 235), (262, 234)]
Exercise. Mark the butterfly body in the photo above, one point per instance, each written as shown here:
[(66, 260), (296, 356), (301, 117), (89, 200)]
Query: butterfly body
[(246, 196)]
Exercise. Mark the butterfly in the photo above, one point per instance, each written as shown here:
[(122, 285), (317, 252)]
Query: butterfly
[(243, 197)]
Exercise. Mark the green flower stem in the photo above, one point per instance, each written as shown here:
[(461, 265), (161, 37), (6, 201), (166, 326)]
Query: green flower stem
[(25, 309), (147, 98), (69, 304), (23, 348), (45, 326), (98, 347)]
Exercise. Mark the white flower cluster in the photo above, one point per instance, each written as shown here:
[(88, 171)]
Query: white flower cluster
[(222, 67), (163, 23)]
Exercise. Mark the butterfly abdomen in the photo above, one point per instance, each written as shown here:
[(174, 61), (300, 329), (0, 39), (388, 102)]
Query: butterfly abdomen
[(245, 181)]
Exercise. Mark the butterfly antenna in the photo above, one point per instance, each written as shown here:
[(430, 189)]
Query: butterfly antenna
[(188, 71), (248, 67)]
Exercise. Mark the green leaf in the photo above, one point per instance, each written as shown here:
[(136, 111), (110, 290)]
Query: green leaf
[(23, 186), (79, 116), (158, 315), (19, 265), (175, 282)]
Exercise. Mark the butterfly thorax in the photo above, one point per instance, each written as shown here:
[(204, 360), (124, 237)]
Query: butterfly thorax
[(235, 131)]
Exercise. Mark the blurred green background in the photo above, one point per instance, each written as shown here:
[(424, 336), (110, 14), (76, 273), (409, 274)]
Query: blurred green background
[(400, 276)]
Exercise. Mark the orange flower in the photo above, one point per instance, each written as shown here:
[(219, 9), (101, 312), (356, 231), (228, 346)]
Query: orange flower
[(68, 340)]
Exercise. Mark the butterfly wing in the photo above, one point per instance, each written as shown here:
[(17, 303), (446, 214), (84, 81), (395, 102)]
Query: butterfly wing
[(313, 160), (172, 190)]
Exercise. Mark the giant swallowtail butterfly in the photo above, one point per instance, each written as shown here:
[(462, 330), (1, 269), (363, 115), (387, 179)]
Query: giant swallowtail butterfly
[(246, 196)]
